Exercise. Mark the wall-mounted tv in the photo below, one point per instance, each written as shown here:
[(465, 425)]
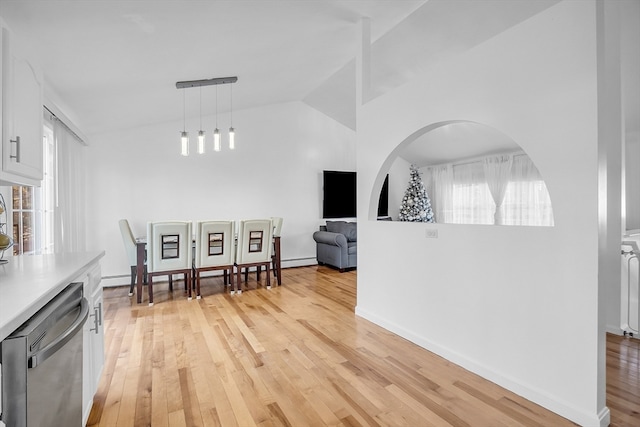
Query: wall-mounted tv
[(339, 195)]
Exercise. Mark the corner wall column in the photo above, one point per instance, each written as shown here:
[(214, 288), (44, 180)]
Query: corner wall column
[(610, 138)]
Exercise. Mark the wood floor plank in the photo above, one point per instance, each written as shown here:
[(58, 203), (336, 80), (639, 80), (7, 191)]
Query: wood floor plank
[(297, 355)]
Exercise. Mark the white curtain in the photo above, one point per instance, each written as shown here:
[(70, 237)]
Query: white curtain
[(69, 210), (497, 171), (467, 193), (439, 188), (471, 200), (527, 200)]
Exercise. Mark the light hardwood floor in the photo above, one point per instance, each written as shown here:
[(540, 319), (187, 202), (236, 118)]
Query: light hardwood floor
[(297, 355)]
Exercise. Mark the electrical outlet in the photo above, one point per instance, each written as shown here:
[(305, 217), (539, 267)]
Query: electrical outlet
[(432, 233)]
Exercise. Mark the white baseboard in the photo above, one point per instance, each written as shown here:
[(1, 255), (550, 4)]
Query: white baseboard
[(124, 279), (541, 397)]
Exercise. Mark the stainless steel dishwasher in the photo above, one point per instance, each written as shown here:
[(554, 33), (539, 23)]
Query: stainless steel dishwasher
[(42, 365)]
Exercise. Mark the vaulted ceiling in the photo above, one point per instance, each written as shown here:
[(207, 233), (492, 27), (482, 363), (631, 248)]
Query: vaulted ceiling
[(115, 62)]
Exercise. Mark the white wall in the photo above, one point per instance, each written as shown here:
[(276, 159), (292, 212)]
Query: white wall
[(399, 175), (518, 305), (275, 170)]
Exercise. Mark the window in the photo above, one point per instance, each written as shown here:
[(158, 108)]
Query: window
[(471, 200), (461, 194), (33, 207), (23, 207)]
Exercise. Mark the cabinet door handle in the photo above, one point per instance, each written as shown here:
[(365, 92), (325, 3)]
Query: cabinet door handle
[(95, 321), (99, 313), (17, 142)]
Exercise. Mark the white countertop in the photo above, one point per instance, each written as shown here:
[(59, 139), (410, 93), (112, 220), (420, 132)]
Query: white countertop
[(28, 282)]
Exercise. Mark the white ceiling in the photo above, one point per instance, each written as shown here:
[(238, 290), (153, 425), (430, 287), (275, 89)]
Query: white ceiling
[(458, 141), (115, 62)]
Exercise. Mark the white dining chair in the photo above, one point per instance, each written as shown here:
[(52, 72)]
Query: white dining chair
[(253, 249), (130, 248), (215, 246), (169, 251)]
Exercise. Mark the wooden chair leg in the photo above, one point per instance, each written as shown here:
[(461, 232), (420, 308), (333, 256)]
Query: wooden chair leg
[(133, 279), (171, 282), (268, 276), (187, 283), (197, 279), (150, 286)]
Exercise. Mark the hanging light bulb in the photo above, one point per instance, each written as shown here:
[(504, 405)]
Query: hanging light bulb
[(201, 140), (216, 132), (201, 146), (216, 140), (184, 136), (232, 131), (184, 140)]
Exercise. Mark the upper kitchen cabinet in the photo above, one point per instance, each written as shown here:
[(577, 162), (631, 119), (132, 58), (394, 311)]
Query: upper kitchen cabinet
[(21, 115)]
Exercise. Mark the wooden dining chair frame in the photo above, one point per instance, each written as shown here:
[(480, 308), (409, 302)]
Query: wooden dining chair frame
[(168, 272), (266, 241), (131, 248), (228, 245)]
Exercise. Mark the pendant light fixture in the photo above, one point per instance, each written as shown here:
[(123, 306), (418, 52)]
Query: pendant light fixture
[(216, 132), (201, 140), (232, 131), (184, 136)]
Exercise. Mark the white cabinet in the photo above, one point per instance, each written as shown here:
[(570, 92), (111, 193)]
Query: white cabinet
[(93, 334), (21, 115)]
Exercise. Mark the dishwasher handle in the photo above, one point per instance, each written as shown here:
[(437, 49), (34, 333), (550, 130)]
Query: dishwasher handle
[(43, 354)]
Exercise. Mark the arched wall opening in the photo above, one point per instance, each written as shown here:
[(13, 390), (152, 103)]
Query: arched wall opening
[(472, 173)]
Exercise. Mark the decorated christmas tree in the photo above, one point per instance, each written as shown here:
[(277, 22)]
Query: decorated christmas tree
[(416, 206)]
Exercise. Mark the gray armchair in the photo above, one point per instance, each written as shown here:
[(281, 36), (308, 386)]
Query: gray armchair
[(336, 245)]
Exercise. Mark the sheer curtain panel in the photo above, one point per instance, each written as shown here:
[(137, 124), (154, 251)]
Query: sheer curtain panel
[(505, 189), (526, 200), (471, 202), (497, 171), (69, 208), (439, 186)]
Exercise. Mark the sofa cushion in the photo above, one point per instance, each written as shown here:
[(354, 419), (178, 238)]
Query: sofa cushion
[(349, 229)]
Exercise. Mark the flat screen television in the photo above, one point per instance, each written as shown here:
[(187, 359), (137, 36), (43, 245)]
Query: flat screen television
[(339, 195)]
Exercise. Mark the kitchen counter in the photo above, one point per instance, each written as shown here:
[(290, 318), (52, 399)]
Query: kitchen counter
[(28, 282)]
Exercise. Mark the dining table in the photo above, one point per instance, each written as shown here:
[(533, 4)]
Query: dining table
[(141, 250)]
